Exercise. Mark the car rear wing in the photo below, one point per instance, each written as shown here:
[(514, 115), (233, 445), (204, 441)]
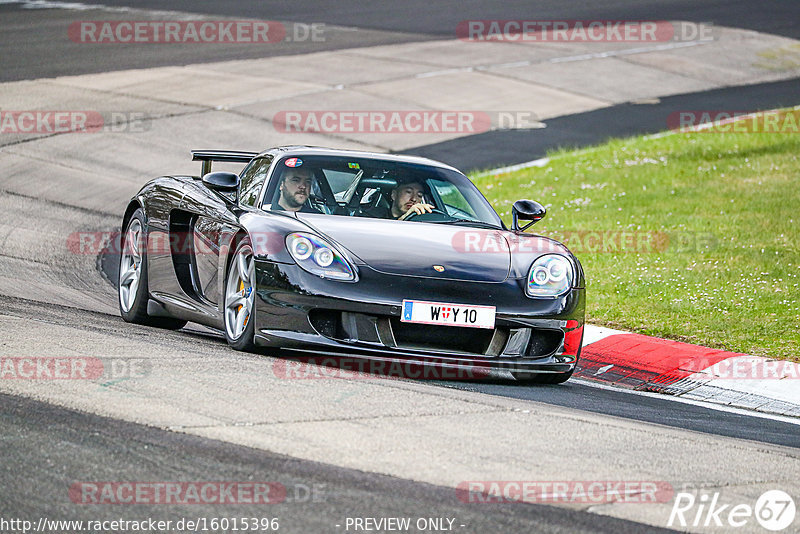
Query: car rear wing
[(232, 156)]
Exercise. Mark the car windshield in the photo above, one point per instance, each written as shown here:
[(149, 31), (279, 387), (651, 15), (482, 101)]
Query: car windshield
[(377, 188)]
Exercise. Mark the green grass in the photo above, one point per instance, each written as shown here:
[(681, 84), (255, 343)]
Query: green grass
[(722, 211)]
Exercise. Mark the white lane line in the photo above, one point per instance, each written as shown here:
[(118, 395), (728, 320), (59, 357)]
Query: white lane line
[(75, 6), (709, 405), (78, 6)]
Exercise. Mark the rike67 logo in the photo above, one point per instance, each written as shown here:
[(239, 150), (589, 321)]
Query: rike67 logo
[(774, 510)]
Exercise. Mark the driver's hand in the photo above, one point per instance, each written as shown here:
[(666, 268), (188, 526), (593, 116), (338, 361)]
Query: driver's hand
[(417, 209)]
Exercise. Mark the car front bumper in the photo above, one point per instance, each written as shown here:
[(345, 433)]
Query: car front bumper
[(306, 314)]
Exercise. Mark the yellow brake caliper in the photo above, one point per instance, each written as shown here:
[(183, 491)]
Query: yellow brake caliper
[(241, 288)]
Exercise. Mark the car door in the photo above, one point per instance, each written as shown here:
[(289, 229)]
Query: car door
[(214, 225)]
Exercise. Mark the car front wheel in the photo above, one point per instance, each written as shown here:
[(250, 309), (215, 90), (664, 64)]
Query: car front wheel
[(240, 291)]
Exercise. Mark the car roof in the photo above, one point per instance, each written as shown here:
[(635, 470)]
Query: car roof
[(303, 150)]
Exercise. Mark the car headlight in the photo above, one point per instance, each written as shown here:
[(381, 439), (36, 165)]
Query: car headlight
[(551, 275), (317, 256)]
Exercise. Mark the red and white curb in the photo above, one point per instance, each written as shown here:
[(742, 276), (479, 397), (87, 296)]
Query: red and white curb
[(644, 363)]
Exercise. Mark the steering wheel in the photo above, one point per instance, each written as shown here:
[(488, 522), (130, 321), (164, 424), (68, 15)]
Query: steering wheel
[(434, 215)]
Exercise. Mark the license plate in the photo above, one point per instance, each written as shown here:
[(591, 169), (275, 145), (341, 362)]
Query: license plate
[(422, 312)]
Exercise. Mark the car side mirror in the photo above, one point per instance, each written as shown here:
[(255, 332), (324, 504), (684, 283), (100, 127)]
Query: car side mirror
[(526, 210), (222, 182)]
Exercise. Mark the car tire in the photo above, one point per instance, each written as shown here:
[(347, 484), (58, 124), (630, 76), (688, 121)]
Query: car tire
[(542, 378), (132, 291), (239, 298)]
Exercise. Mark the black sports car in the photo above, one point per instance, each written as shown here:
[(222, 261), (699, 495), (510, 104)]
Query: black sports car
[(339, 252)]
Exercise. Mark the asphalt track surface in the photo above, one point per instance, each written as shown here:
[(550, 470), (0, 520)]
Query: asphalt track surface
[(38, 46), (441, 18), (36, 36), (54, 446)]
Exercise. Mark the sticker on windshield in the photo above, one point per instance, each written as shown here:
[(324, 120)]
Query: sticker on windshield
[(353, 166), (293, 162)]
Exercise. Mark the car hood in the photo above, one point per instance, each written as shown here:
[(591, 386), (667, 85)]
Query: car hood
[(416, 248)]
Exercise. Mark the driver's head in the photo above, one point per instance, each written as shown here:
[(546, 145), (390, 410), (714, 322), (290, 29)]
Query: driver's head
[(404, 196), (295, 188)]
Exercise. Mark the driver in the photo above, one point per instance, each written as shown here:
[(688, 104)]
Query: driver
[(407, 199), (295, 188)]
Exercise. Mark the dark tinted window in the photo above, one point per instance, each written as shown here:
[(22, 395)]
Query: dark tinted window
[(252, 180)]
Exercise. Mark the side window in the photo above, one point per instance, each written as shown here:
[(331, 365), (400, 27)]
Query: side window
[(252, 180)]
